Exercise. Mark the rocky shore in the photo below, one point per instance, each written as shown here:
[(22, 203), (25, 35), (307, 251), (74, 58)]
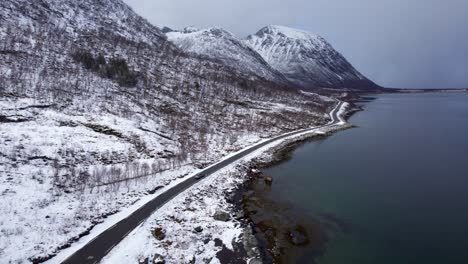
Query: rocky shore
[(271, 235)]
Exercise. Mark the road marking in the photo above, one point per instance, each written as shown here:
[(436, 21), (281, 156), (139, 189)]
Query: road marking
[(126, 234), (109, 249)]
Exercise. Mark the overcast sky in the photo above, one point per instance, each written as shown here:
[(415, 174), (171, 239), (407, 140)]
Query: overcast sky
[(396, 43)]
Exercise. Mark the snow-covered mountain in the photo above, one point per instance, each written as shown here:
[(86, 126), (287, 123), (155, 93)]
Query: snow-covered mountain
[(98, 110), (219, 44), (305, 59)]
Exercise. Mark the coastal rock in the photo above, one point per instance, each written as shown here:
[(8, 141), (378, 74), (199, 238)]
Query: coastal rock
[(250, 244), (298, 236), (240, 215), (248, 193), (251, 209), (253, 199), (255, 261), (221, 216), (278, 247), (254, 173), (269, 180)]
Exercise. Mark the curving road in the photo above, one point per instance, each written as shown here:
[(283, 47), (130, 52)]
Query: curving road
[(96, 249)]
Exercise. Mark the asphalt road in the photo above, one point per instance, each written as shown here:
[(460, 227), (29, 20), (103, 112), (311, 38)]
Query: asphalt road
[(96, 249)]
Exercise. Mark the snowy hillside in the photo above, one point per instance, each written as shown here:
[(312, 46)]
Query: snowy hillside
[(79, 17), (306, 59), (98, 110), (219, 44)]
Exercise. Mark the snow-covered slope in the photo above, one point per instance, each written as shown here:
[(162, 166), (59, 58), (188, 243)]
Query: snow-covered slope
[(219, 44), (98, 108), (305, 59), (78, 17)]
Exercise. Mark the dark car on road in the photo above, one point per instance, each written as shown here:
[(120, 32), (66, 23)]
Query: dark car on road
[(200, 176)]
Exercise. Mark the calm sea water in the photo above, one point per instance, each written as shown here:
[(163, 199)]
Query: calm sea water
[(396, 187)]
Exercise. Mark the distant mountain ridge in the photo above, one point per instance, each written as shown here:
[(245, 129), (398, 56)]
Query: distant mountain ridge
[(280, 54), (219, 44), (307, 60)]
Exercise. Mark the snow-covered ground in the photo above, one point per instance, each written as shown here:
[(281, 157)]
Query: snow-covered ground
[(341, 113), (64, 172), (179, 220)]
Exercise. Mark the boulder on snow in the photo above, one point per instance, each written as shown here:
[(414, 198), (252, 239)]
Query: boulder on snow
[(221, 216), (158, 259), (143, 261), (198, 229), (158, 233)]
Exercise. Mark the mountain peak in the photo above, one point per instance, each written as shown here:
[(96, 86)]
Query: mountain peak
[(307, 60), (216, 31), (288, 32), (190, 29)]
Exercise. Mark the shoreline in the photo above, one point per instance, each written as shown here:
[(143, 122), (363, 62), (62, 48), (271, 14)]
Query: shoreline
[(245, 200), (281, 156)]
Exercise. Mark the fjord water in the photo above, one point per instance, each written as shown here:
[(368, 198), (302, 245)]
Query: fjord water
[(392, 190)]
